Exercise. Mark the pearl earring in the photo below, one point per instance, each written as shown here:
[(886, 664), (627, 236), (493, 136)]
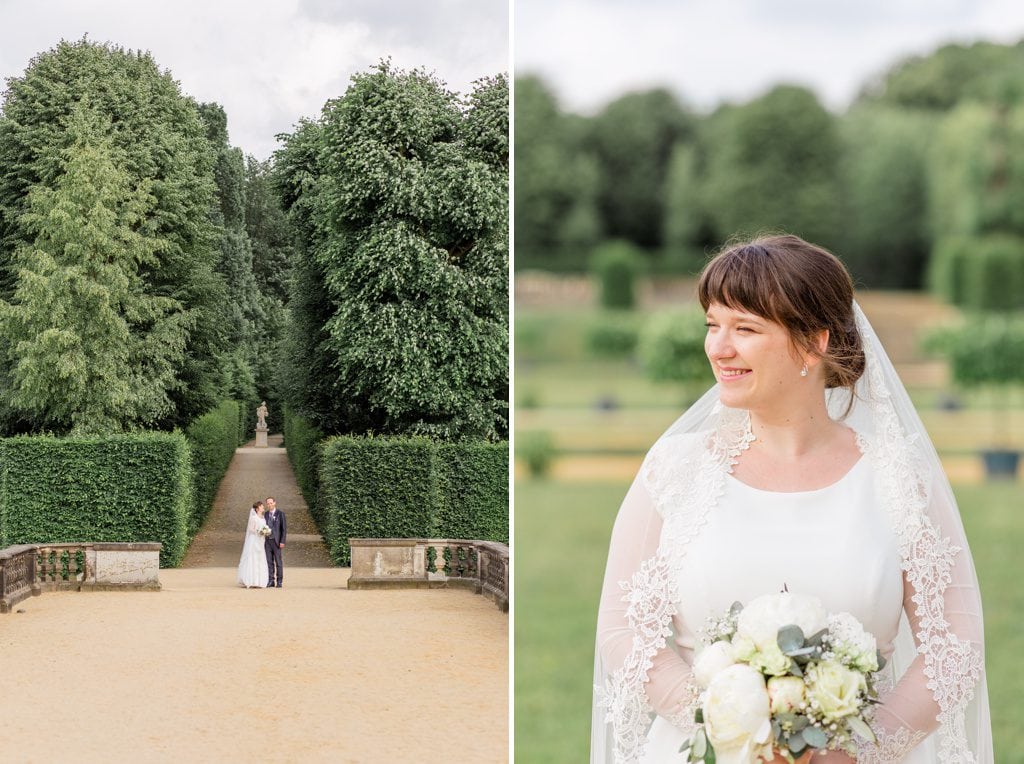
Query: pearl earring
[(803, 371)]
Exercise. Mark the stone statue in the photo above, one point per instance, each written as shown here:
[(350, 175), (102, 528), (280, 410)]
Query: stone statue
[(261, 416)]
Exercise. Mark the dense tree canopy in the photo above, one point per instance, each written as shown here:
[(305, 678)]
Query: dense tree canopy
[(156, 140), (89, 347), (402, 194)]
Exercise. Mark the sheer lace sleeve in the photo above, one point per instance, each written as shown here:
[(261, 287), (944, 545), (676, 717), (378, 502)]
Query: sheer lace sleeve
[(254, 523), (942, 603), (635, 576)]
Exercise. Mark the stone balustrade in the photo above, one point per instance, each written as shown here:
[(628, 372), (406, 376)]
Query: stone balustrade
[(30, 569), (431, 563)]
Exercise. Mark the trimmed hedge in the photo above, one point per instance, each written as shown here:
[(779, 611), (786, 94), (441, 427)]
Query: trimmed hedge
[(302, 441), (473, 491), (213, 438), (114, 488), (982, 273), (412, 487)]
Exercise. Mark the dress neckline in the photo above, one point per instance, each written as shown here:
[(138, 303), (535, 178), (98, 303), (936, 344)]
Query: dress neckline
[(846, 476)]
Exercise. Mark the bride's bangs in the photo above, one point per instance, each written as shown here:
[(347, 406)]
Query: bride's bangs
[(743, 279)]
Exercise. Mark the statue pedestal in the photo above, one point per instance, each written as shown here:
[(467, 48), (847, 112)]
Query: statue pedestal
[(261, 437)]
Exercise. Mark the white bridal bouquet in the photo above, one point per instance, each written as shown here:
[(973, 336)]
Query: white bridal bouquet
[(782, 676), (265, 530)]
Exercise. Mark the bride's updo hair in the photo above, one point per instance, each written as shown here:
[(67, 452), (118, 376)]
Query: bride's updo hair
[(798, 285)]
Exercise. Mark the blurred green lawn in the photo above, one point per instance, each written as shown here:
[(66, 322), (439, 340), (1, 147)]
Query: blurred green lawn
[(562, 532)]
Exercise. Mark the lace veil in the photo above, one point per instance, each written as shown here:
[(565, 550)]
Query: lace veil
[(938, 708)]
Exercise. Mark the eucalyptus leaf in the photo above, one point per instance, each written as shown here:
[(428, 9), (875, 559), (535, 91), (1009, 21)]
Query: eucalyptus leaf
[(800, 723), (795, 670), (816, 638), (790, 637), (698, 716), (736, 607), (815, 736), (796, 742)]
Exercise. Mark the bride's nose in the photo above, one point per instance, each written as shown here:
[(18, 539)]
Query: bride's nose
[(717, 346)]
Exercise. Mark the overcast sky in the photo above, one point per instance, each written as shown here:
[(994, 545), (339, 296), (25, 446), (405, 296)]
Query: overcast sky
[(709, 51), (270, 62)]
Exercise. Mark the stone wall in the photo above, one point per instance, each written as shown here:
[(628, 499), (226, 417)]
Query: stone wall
[(30, 569), (431, 564)]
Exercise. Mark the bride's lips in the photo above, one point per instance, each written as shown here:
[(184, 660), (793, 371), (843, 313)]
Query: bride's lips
[(731, 375)]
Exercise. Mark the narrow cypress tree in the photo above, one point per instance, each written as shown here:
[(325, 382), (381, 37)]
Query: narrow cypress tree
[(90, 348)]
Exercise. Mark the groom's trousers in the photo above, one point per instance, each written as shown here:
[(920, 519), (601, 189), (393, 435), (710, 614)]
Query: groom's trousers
[(275, 564)]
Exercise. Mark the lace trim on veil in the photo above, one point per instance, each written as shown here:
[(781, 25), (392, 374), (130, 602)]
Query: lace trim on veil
[(952, 665), (685, 477)]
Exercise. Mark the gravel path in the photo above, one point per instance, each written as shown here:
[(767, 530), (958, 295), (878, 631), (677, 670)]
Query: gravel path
[(254, 474), (207, 671)]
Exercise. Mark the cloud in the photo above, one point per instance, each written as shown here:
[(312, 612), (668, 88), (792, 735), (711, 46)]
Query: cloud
[(710, 51), (270, 62)]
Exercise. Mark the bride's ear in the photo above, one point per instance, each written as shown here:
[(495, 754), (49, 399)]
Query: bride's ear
[(819, 342)]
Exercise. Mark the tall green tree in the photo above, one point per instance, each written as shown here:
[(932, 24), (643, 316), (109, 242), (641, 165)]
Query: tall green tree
[(952, 74), (773, 164), (409, 229), (89, 347), (556, 222), (884, 239), (633, 139), (157, 136), (270, 232)]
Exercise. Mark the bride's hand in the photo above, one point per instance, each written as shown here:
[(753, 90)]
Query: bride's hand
[(819, 757)]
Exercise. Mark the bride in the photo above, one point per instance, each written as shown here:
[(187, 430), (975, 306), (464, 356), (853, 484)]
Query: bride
[(252, 568), (805, 467)]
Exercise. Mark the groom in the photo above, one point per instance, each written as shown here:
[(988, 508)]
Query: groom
[(275, 542)]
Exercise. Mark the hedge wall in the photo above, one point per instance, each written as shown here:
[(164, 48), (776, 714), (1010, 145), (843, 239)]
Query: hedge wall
[(302, 441), (982, 273), (213, 438), (473, 491), (412, 487), (114, 488)]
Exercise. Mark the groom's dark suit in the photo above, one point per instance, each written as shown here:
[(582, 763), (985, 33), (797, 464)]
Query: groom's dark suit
[(278, 535)]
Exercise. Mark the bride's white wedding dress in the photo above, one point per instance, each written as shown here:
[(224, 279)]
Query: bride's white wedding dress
[(252, 568), (884, 543), (834, 543)]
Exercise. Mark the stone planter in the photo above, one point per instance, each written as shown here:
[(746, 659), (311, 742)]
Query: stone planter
[(1000, 463)]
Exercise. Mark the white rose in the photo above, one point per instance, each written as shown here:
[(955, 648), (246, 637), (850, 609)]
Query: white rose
[(743, 648), (762, 618), (770, 660), (834, 689), (736, 715), (785, 693), (712, 659)]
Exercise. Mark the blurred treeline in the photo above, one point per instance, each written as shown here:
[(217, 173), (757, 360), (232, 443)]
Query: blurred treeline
[(925, 169)]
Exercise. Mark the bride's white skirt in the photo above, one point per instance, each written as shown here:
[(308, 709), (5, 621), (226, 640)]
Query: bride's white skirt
[(252, 568)]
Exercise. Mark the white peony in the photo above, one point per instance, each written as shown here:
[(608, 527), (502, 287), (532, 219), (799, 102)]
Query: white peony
[(712, 659), (736, 716), (762, 618), (834, 690), (785, 693)]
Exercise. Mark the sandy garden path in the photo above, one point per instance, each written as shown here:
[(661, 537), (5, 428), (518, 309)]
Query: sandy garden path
[(254, 474), (205, 671)]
